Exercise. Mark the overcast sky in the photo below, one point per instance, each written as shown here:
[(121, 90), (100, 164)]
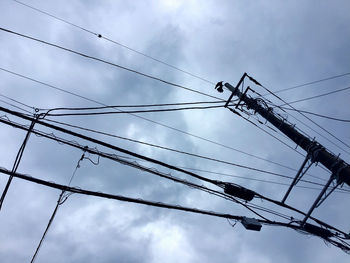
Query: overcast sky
[(279, 43)]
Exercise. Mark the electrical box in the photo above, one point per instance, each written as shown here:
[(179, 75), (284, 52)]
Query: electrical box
[(251, 224), (239, 191), (316, 230)]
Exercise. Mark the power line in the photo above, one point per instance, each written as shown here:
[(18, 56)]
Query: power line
[(21, 103), (121, 198), (315, 96), (310, 83), (12, 105), (116, 42), (175, 207), (140, 73), (175, 150), (146, 119), (162, 62), (124, 162), (113, 157), (157, 146), (134, 105), (108, 63), (152, 105), (259, 180), (319, 115), (133, 111)]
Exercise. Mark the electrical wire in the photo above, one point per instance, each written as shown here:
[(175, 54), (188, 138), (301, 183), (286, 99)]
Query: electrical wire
[(112, 157), (318, 115), (258, 180), (61, 199), (140, 73), (13, 100), (161, 147), (133, 111), (108, 63), (160, 61), (315, 96), (133, 106), (12, 105), (177, 151), (116, 42), (310, 83), (147, 119), (121, 198), (341, 245), (12, 124), (75, 144)]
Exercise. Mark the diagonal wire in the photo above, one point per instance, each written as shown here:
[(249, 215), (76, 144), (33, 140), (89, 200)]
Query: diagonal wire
[(115, 42), (319, 115), (60, 201), (315, 96), (107, 63), (147, 119)]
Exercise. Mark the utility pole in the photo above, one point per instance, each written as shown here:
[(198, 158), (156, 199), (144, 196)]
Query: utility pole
[(315, 151), (17, 160)]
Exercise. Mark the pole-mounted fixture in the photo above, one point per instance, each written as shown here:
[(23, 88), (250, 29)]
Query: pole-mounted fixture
[(316, 152)]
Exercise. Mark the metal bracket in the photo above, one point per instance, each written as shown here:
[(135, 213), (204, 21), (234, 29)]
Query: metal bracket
[(301, 172), (317, 201), (334, 186), (233, 90), (240, 99), (320, 199)]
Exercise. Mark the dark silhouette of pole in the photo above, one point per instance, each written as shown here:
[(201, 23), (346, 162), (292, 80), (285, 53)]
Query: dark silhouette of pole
[(339, 168)]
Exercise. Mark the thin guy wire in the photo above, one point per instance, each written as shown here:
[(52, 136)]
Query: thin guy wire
[(319, 115), (315, 96), (309, 83), (60, 201)]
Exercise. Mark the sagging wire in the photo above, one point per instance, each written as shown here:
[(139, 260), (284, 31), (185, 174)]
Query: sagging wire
[(219, 193), (324, 234)]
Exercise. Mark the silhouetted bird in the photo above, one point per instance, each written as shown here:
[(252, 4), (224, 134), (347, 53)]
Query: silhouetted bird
[(218, 87)]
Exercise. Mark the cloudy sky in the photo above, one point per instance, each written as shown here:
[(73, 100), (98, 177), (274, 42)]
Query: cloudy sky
[(281, 43)]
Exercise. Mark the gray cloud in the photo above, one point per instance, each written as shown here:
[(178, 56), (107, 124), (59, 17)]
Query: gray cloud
[(281, 44)]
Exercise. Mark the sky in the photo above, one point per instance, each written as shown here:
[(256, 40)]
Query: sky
[(280, 43)]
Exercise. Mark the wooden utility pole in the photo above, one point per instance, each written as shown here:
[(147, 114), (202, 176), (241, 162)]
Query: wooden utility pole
[(315, 151)]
